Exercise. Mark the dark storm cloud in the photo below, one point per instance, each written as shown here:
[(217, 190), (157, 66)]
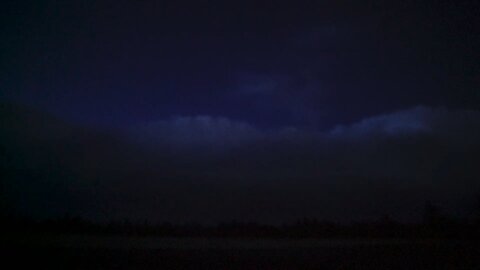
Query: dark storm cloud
[(458, 126), (250, 110), (315, 63), (214, 168), (194, 131), (387, 145), (389, 163), (453, 126), (417, 143), (251, 83)]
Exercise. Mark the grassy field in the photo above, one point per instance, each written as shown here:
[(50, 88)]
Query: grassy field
[(90, 252)]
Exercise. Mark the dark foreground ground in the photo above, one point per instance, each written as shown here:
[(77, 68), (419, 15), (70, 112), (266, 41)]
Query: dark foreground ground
[(81, 252)]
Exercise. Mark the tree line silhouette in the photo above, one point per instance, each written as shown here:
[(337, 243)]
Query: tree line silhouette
[(435, 224)]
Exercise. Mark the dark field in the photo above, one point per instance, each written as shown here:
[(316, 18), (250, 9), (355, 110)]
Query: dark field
[(79, 252)]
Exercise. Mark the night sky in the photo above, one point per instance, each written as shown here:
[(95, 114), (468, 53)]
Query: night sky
[(262, 110)]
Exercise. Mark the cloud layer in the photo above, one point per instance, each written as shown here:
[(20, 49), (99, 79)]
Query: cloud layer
[(197, 131), (208, 168), (459, 127)]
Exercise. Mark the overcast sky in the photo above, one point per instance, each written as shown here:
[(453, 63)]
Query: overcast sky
[(288, 108), (308, 63)]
